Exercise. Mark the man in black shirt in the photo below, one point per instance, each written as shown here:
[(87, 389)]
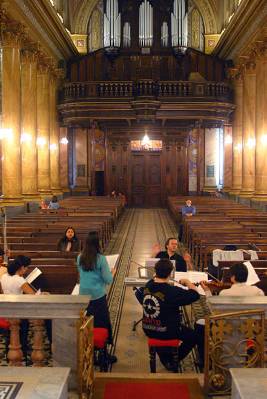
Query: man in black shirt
[(171, 246), (161, 315)]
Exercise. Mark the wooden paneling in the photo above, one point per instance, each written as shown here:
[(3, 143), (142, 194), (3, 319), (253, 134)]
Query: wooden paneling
[(161, 65)]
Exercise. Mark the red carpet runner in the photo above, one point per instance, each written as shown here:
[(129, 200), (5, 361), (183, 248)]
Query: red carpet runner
[(147, 390)]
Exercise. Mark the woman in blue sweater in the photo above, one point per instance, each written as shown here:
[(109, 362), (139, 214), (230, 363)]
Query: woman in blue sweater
[(95, 275)]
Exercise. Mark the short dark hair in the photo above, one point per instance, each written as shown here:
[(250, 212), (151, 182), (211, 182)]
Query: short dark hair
[(240, 272), (23, 260), (2, 252), (54, 198), (168, 241), (163, 268), (13, 267)]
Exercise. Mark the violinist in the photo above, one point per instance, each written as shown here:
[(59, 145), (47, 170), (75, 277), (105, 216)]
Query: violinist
[(238, 277)]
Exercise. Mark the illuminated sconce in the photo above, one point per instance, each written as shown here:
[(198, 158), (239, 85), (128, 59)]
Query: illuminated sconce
[(53, 147), (64, 140), (41, 141), (251, 143), (5, 133), (228, 139), (25, 138), (264, 139)]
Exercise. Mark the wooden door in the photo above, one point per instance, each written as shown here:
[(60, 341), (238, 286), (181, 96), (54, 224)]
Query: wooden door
[(146, 179)]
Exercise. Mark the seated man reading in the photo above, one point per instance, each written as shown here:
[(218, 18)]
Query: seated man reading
[(161, 315), (171, 246)]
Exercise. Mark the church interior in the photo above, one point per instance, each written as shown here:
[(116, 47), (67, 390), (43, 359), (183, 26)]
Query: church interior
[(133, 198)]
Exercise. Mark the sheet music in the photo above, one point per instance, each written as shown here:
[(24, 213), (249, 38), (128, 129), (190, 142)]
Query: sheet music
[(33, 275), (76, 290), (252, 275), (112, 260), (194, 277)]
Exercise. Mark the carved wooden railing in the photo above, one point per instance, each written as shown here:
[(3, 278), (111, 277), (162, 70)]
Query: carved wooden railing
[(15, 355), (145, 88)]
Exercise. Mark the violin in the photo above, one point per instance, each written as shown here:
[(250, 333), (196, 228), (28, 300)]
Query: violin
[(216, 285)]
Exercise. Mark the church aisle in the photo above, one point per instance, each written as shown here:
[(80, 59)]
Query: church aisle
[(147, 227)]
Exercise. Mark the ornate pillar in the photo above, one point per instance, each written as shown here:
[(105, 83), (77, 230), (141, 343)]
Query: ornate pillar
[(29, 124), (54, 136), (11, 33), (237, 134), (261, 126), (43, 126), (249, 112)]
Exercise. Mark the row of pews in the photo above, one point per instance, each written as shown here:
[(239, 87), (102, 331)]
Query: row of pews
[(36, 235), (219, 222)]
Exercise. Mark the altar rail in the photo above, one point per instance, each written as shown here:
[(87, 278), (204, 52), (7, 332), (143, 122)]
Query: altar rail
[(145, 88)]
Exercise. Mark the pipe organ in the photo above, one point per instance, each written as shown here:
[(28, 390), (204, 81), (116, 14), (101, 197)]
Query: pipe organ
[(179, 23), (112, 24), (145, 24)]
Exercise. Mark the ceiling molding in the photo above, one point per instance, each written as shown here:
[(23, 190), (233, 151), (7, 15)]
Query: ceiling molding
[(249, 19), (40, 18)]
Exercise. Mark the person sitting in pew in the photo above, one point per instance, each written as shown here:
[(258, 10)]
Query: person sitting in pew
[(95, 275), (69, 242), (54, 204), (171, 247), (161, 314)]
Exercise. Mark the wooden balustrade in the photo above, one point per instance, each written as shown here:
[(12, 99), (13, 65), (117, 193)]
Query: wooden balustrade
[(144, 88)]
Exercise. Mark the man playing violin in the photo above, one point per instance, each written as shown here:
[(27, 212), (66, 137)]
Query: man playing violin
[(161, 316), (238, 277)]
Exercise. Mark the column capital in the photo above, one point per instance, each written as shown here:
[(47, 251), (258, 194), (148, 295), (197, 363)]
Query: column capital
[(235, 74), (11, 33)]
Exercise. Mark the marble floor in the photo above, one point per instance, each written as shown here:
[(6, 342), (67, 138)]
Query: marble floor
[(150, 226)]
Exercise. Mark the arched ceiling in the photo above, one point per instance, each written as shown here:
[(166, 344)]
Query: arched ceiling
[(82, 9)]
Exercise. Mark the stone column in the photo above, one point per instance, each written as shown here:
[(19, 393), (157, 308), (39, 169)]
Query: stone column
[(43, 127), (261, 126), (237, 135), (249, 112), (11, 34), (29, 124), (54, 137), (211, 159), (228, 158), (63, 156)]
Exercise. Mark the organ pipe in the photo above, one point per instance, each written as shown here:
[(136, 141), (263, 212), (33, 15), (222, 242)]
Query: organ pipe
[(126, 35), (164, 34), (145, 24), (112, 24), (179, 28)]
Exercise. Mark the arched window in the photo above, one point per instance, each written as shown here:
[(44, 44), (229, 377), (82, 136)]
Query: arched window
[(95, 32), (145, 24), (196, 33)]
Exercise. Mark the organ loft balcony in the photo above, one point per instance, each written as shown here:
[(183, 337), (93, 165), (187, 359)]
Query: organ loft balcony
[(157, 87)]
